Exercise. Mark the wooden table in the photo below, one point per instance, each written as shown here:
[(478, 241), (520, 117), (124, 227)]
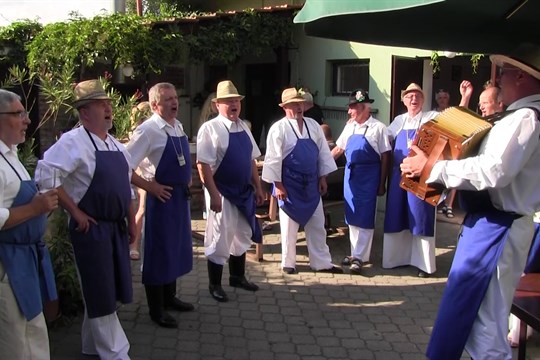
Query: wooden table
[(526, 306)]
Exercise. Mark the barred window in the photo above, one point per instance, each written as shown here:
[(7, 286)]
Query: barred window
[(348, 75)]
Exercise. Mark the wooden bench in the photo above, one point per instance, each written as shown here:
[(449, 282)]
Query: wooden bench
[(526, 306)]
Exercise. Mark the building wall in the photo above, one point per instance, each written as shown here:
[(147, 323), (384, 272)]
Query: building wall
[(310, 64)]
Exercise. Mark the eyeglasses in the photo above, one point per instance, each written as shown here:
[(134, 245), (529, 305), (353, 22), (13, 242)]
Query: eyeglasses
[(23, 114), (410, 96)]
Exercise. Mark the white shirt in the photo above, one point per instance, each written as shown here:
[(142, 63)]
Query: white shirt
[(374, 131), (407, 122), (213, 140), (507, 163), (149, 140), (73, 157), (281, 141), (9, 181)]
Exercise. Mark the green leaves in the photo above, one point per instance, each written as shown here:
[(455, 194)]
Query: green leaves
[(117, 39)]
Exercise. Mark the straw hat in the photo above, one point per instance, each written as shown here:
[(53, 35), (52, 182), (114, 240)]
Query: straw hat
[(88, 91), (412, 87), (359, 96), (526, 57), (226, 90), (291, 95)]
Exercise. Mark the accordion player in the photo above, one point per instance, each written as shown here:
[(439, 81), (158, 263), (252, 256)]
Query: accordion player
[(455, 133)]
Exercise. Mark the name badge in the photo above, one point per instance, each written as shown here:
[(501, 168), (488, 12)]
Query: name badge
[(181, 160)]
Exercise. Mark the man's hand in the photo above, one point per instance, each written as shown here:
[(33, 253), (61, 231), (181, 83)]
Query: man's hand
[(323, 186), (46, 202), (466, 88), (412, 166), (281, 193), (259, 197), (382, 190), (216, 204), (83, 221), (162, 192)]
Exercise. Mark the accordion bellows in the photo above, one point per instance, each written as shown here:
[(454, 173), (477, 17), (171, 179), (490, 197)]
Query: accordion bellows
[(456, 133)]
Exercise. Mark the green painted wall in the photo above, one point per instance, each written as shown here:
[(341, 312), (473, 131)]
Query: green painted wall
[(310, 67)]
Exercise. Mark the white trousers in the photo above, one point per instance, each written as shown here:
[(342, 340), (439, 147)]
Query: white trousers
[(227, 232), (361, 240), (104, 336), (20, 339), (319, 253), (488, 338), (402, 248)]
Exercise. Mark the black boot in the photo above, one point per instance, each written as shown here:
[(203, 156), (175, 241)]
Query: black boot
[(215, 272), (154, 296), (172, 302), (237, 271)]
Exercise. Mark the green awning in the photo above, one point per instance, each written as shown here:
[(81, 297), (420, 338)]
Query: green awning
[(476, 26), (314, 10)]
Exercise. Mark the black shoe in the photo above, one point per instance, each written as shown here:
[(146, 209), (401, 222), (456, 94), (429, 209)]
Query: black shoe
[(346, 261), (289, 270), (356, 266), (332, 270), (218, 293), (165, 320), (179, 305), (423, 274), (242, 283)]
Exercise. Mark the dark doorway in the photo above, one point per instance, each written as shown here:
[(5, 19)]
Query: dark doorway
[(262, 99), (404, 71), (454, 70)]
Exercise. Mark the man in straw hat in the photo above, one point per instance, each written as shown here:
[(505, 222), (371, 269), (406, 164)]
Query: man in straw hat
[(92, 171), (297, 161), (409, 224), (226, 153), (27, 279), (168, 248), (497, 231), (365, 143)]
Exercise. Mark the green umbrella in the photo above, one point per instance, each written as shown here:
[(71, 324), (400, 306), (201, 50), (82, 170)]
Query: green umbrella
[(476, 26)]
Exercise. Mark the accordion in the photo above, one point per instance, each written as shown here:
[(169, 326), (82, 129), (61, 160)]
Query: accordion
[(455, 133)]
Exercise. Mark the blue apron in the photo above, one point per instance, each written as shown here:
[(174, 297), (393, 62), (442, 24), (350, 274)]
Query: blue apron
[(168, 249), (102, 254), (233, 179), (533, 259), (25, 257), (300, 177), (404, 211), (362, 178), (480, 244)]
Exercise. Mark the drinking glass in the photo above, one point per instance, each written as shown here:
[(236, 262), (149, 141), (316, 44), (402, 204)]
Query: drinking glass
[(47, 179)]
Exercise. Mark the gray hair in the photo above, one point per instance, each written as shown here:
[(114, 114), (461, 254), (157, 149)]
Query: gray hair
[(7, 98), (153, 93)]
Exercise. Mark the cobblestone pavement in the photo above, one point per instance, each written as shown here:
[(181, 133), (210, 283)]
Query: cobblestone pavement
[(382, 314)]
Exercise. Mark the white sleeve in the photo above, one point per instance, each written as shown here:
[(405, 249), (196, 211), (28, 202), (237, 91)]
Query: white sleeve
[(273, 158), (395, 126)]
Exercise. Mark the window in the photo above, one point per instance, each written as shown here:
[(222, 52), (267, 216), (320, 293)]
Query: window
[(348, 75)]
